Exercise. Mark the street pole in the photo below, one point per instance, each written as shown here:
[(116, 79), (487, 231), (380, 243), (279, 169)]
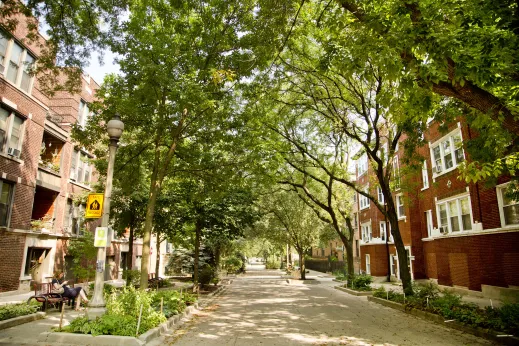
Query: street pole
[(115, 127)]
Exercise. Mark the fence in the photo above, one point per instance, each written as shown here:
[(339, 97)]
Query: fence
[(325, 266)]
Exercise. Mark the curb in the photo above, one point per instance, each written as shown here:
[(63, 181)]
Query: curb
[(302, 282), (488, 334), (16, 321), (353, 292)]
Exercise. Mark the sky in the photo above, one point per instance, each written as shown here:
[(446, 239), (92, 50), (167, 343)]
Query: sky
[(98, 71)]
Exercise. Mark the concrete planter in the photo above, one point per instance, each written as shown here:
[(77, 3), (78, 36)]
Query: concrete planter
[(489, 334), (353, 292), (15, 321)]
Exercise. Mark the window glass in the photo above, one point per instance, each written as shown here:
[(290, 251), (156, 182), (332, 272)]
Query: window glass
[(458, 148), (3, 46), (5, 201), (26, 76), (425, 175), (16, 133), (400, 204), (465, 214), (380, 195), (444, 223), (4, 116), (453, 211), (14, 63), (383, 230), (447, 155), (73, 164), (437, 159), (510, 209)]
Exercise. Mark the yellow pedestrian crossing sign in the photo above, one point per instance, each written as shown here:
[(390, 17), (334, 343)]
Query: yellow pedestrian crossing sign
[(94, 206)]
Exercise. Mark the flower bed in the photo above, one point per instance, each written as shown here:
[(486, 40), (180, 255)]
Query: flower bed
[(15, 310), (449, 305), (123, 310)]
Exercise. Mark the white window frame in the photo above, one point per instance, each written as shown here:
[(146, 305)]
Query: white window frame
[(4, 146), (364, 202), (380, 195), (362, 165), (383, 232), (500, 202), (399, 201), (366, 231), (425, 176), (368, 264), (445, 202), (438, 144), (429, 222), (21, 67), (83, 113)]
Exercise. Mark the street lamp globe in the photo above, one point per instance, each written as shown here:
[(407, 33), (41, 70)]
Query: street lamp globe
[(115, 127)]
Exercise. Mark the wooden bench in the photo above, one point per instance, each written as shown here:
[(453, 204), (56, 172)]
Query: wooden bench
[(43, 294)]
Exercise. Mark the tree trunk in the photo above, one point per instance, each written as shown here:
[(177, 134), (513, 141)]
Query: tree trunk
[(129, 258), (302, 265), (157, 262), (198, 231)]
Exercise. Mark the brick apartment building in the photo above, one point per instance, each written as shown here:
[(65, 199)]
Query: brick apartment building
[(42, 170), (456, 234)]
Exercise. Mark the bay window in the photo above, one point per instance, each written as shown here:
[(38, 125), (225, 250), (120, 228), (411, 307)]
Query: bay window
[(447, 153), (455, 215)]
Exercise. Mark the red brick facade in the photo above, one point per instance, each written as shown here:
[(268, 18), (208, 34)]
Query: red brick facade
[(482, 252)]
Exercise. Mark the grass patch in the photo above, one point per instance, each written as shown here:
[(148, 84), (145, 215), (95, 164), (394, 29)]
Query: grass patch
[(15, 310)]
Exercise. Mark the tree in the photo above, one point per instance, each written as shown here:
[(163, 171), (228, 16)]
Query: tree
[(292, 221)]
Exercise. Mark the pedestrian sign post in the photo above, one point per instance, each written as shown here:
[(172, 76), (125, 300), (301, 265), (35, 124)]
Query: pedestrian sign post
[(94, 206), (101, 237)]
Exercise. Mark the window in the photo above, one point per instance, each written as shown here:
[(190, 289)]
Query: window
[(383, 232), (455, 215), (35, 256), (368, 265), (355, 221), (366, 232), (447, 153), (508, 208), (429, 222), (11, 130), (380, 195), (400, 206), (80, 168), (363, 200), (362, 165), (16, 63), (83, 113), (6, 198), (425, 175), (396, 172)]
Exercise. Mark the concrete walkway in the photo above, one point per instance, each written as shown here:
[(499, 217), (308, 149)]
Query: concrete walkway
[(260, 308)]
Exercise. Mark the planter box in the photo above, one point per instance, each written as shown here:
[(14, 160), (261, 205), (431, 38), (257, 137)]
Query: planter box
[(354, 292), (15, 321), (489, 334)]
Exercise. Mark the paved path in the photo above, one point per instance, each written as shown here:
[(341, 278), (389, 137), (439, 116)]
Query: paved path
[(259, 308)]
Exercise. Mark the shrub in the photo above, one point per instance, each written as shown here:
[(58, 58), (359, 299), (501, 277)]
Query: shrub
[(173, 304), (15, 310), (206, 275), (340, 275), (360, 282), (273, 265), (232, 264)]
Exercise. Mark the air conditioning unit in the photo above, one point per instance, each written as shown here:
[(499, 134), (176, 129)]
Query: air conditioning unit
[(13, 152)]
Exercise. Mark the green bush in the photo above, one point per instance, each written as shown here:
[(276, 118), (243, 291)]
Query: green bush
[(450, 306), (232, 264), (133, 275), (273, 265), (15, 310), (173, 304), (206, 275), (360, 282)]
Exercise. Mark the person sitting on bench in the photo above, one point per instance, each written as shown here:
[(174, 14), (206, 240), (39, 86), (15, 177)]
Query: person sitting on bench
[(72, 293)]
